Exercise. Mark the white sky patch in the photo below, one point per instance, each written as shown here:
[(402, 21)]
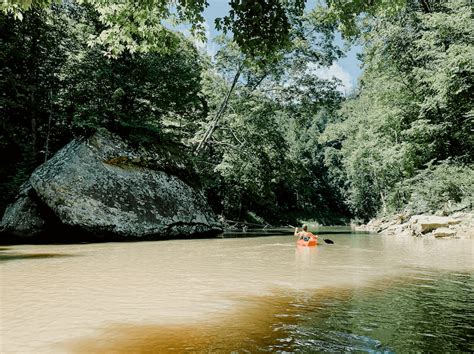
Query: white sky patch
[(206, 45), (335, 70)]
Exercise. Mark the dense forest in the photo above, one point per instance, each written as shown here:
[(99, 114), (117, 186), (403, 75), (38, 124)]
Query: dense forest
[(265, 138)]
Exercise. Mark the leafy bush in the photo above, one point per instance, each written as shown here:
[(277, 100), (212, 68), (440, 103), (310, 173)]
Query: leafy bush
[(446, 186)]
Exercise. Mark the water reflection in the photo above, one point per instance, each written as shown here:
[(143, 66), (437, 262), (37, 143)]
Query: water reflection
[(404, 316), (304, 258), (251, 326), (379, 318)]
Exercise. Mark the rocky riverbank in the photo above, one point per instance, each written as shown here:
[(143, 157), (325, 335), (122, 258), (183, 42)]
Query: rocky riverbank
[(456, 225)]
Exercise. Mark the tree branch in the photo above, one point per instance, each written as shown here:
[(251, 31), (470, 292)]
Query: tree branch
[(221, 111)]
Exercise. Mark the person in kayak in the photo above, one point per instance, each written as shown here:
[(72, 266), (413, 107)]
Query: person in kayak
[(304, 233)]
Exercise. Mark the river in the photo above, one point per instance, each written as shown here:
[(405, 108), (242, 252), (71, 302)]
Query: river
[(255, 294)]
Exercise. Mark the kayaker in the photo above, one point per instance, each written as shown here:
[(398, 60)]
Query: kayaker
[(305, 232)]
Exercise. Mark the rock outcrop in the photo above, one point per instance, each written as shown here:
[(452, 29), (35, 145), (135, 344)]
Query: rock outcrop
[(100, 188), (22, 218), (422, 224), (444, 232), (458, 225)]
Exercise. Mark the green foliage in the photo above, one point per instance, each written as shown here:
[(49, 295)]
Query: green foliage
[(246, 158), (264, 156), (261, 28), (146, 94), (130, 26), (351, 17), (55, 86), (414, 106), (31, 52), (446, 186)]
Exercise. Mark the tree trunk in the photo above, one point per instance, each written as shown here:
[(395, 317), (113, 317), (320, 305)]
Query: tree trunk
[(219, 113), (34, 132), (48, 132), (425, 4)]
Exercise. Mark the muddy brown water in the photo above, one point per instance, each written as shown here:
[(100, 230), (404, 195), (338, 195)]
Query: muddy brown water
[(257, 294)]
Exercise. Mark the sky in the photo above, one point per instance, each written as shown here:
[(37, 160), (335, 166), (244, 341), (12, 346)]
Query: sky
[(346, 69)]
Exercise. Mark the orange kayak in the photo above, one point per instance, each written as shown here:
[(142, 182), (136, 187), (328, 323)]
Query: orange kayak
[(306, 241)]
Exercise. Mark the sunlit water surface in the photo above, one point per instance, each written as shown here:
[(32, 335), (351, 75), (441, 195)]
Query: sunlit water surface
[(363, 293)]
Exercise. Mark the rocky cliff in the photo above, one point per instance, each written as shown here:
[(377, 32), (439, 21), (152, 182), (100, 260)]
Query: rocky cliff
[(101, 188)]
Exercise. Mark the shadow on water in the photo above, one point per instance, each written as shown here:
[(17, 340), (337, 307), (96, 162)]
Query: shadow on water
[(384, 317), (14, 256), (261, 324), (256, 324)]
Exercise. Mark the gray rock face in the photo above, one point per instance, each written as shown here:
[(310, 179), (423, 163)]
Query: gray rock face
[(97, 185), (22, 218)]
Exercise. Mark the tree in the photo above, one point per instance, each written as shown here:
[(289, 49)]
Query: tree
[(253, 158), (55, 86), (413, 107), (31, 52), (138, 27), (315, 46), (261, 28), (146, 96)]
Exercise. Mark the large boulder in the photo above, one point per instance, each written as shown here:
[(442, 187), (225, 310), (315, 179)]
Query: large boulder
[(101, 187)]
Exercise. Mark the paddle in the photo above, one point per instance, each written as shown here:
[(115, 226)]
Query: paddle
[(327, 240)]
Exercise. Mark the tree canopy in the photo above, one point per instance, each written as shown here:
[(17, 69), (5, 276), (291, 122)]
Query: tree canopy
[(413, 111), (261, 28)]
